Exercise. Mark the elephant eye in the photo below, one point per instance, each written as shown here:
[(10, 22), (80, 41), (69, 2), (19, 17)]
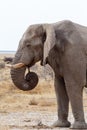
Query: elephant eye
[(28, 45)]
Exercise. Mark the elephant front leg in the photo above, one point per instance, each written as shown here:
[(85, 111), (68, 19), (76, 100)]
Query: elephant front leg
[(63, 103)]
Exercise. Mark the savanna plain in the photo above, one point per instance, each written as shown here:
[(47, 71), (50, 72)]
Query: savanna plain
[(31, 110)]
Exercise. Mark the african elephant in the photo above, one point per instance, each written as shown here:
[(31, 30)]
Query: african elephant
[(62, 45)]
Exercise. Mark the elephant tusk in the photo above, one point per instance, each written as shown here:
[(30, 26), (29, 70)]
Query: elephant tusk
[(19, 65), (8, 66), (15, 66)]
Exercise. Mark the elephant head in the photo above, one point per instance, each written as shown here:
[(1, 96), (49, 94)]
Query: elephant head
[(34, 46)]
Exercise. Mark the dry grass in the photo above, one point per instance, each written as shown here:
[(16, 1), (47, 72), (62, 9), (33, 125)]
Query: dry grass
[(4, 127)]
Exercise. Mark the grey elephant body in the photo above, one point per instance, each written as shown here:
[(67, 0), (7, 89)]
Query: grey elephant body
[(63, 46)]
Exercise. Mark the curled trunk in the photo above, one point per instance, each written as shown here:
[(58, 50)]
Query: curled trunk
[(22, 81)]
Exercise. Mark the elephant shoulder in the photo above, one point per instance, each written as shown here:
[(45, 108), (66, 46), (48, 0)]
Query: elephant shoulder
[(67, 34), (61, 40), (68, 30)]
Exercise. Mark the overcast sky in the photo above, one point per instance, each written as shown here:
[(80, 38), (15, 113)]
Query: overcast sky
[(17, 15)]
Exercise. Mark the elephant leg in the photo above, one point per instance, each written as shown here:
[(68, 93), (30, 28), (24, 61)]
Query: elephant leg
[(62, 102), (74, 72), (76, 98)]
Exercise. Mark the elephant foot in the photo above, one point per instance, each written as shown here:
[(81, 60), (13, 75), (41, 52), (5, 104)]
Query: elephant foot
[(60, 123), (79, 125)]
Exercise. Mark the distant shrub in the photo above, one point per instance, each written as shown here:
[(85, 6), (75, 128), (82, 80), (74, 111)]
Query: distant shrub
[(8, 59), (2, 65), (33, 102)]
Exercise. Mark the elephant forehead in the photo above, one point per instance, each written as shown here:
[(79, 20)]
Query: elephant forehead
[(28, 36)]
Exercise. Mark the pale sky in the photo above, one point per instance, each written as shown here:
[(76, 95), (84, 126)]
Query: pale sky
[(17, 15)]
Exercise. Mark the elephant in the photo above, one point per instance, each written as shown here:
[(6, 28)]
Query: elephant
[(63, 46)]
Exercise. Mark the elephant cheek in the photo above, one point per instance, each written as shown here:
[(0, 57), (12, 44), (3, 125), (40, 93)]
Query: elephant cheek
[(27, 58)]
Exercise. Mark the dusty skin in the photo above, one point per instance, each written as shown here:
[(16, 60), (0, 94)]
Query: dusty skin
[(30, 110)]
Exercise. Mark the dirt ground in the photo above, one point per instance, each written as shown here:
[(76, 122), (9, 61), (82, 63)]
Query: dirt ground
[(30, 110)]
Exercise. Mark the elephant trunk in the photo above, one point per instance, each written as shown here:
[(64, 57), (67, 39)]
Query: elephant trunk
[(22, 81), (17, 76)]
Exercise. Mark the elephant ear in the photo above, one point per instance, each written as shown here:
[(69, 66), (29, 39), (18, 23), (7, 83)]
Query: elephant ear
[(49, 42)]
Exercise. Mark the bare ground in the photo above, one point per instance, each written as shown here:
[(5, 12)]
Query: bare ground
[(31, 110)]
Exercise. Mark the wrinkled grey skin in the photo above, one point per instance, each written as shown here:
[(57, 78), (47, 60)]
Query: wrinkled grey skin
[(63, 46)]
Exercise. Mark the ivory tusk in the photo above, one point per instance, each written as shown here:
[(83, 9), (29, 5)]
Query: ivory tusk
[(15, 66), (19, 65), (7, 65)]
